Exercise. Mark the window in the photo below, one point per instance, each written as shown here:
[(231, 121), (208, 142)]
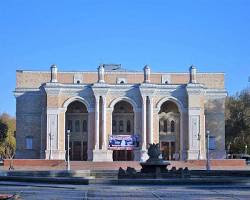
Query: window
[(69, 125), (78, 82), (128, 126), (160, 128), (165, 126), (77, 126), (113, 126), (172, 126), (84, 126), (121, 126), (29, 142)]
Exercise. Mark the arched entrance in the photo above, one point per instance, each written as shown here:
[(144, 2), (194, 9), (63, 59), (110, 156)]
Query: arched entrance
[(77, 122), (169, 131), (123, 125)]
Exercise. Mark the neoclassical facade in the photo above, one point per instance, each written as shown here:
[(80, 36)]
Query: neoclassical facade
[(172, 109)]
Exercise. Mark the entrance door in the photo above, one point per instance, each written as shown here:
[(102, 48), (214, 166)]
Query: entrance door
[(168, 150), (77, 150), (123, 155), (85, 150)]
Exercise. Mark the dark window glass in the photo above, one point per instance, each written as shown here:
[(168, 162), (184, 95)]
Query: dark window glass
[(113, 126), (172, 126), (69, 126), (77, 126), (121, 126), (84, 126), (128, 126), (165, 126)]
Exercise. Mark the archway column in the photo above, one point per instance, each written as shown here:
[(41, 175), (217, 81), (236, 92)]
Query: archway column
[(104, 124), (102, 154), (97, 98), (144, 125), (151, 122)]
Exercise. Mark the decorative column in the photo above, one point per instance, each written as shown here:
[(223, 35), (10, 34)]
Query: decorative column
[(101, 154), (104, 135), (53, 70), (150, 122), (192, 72), (97, 122), (146, 74), (101, 74), (144, 130)]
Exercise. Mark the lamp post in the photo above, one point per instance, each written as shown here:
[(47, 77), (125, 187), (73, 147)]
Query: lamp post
[(50, 146), (208, 162), (68, 164)]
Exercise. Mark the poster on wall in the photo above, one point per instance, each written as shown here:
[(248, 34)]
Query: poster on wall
[(212, 143), (123, 142)]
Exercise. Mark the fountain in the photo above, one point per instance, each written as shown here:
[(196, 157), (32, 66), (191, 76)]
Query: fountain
[(154, 164), (154, 167)]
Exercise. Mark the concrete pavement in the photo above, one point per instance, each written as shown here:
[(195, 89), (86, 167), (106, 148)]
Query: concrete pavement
[(37, 191)]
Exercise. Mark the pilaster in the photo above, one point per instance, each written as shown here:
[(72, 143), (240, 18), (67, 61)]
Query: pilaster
[(196, 129)]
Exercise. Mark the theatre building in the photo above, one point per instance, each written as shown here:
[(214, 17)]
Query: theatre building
[(113, 114)]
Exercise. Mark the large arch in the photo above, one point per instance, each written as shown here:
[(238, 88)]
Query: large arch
[(122, 125), (76, 120), (181, 111)]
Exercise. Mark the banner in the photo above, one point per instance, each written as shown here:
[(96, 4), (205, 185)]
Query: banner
[(123, 142)]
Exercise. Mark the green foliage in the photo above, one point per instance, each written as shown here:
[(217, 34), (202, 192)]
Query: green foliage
[(7, 136), (237, 116)]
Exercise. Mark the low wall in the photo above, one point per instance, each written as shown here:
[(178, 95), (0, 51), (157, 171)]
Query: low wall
[(33, 162), (39, 164)]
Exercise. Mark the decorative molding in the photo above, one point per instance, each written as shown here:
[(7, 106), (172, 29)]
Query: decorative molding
[(76, 98), (127, 99), (172, 99)]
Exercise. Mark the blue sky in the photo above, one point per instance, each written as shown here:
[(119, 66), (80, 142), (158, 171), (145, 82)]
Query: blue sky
[(168, 35)]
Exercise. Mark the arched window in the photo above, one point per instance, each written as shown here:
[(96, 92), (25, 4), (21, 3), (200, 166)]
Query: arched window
[(165, 126), (128, 126), (84, 126), (172, 126), (121, 126), (113, 126)]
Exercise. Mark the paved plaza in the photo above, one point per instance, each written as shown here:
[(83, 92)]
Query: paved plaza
[(32, 191)]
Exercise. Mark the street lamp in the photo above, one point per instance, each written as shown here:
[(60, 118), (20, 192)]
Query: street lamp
[(50, 146), (68, 164), (208, 162)]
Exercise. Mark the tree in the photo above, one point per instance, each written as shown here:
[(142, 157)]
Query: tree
[(7, 136), (237, 119)]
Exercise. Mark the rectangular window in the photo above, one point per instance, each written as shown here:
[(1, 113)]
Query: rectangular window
[(29, 142), (77, 126), (120, 126), (84, 126), (113, 126), (69, 125)]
